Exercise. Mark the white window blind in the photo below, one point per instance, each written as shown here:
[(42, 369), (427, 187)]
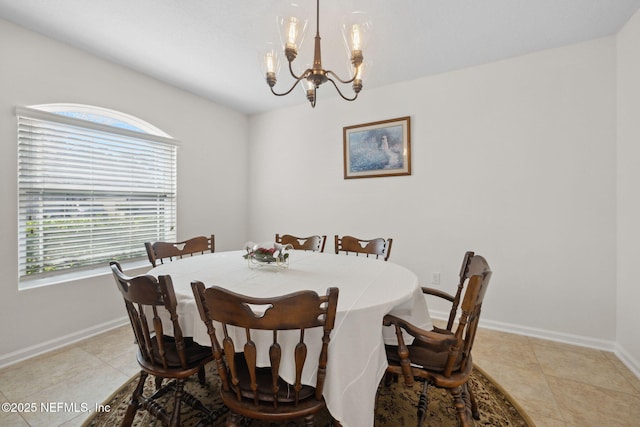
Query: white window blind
[(89, 193)]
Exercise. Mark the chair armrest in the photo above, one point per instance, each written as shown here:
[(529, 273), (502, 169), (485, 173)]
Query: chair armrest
[(439, 341), (437, 293), (442, 331)]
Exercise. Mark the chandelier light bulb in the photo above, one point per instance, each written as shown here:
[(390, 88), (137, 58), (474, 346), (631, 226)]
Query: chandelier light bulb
[(292, 33), (270, 63), (356, 42), (359, 70)]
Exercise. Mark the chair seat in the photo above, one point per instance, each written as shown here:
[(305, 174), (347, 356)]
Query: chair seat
[(424, 357), (194, 352), (267, 411), (307, 403), (265, 387)]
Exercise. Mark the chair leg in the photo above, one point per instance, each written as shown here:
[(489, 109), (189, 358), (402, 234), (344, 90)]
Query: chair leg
[(134, 403), (387, 379), (460, 406), (158, 383), (423, 403), (474, 406), (193, 401), (201, 376), (390, 378), (177, 397)]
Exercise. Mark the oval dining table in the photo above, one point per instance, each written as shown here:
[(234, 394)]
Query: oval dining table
[(369, 289)]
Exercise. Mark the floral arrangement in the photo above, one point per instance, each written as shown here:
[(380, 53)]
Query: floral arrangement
[(267, 253)]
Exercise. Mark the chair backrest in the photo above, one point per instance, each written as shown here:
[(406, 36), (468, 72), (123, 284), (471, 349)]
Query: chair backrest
[(470, 266), (380, 248), (167, 251), (470, 309), (144, 296), (311, 243), (297, 311)]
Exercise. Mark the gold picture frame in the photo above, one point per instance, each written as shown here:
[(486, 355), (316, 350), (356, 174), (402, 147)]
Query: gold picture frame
[(377, 149)]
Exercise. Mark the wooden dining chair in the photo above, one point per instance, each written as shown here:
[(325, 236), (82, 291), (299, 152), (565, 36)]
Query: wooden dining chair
[(254, 392), (380, 248), (165, 357), (442, 358), (167, 251), (311, 243), (471, 265)]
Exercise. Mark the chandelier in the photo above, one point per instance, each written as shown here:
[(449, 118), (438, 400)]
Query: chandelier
[(292, 29)]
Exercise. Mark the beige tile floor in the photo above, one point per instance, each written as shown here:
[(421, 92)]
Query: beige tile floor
[(557, 384)]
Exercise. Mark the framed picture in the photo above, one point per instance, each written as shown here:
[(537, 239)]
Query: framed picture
[(378, 149)]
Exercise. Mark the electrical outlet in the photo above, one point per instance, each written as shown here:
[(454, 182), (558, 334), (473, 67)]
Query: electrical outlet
[(435, 278)]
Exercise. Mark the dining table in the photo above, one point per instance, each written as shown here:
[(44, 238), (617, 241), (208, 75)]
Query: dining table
[(368, 290)]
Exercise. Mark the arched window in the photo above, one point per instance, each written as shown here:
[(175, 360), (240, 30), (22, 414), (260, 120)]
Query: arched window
[(103, 116), (94, 185)]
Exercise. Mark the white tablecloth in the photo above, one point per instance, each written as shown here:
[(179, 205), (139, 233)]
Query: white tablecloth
[(369, 289)]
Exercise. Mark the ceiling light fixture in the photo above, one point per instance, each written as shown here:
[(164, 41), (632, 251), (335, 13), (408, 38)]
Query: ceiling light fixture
[(355, 32)]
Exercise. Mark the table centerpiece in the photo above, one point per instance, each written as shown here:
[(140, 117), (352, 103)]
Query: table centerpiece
[(268, 254)]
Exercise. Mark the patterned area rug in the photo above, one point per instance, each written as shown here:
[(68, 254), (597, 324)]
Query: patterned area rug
[(396, 405)]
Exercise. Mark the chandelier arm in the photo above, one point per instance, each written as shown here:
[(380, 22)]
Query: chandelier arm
[(340, 93), (287, 92), (302, 76), (339, 79), (298, 80)]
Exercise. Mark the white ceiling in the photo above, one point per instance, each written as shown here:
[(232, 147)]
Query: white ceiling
[(211, 47)]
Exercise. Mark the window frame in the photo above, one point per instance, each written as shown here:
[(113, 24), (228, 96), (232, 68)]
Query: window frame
[(154, 135)]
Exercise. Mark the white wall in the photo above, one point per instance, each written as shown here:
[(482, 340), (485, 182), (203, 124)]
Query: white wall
[(628, 339), (212, 170), (514, 159)]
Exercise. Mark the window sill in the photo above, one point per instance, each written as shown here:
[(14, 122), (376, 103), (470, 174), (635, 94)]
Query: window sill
[(29, 283)]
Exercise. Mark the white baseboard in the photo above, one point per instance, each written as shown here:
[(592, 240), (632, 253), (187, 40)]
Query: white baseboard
[(630, 362), (612, 346), (29, 352), (539, 333)]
